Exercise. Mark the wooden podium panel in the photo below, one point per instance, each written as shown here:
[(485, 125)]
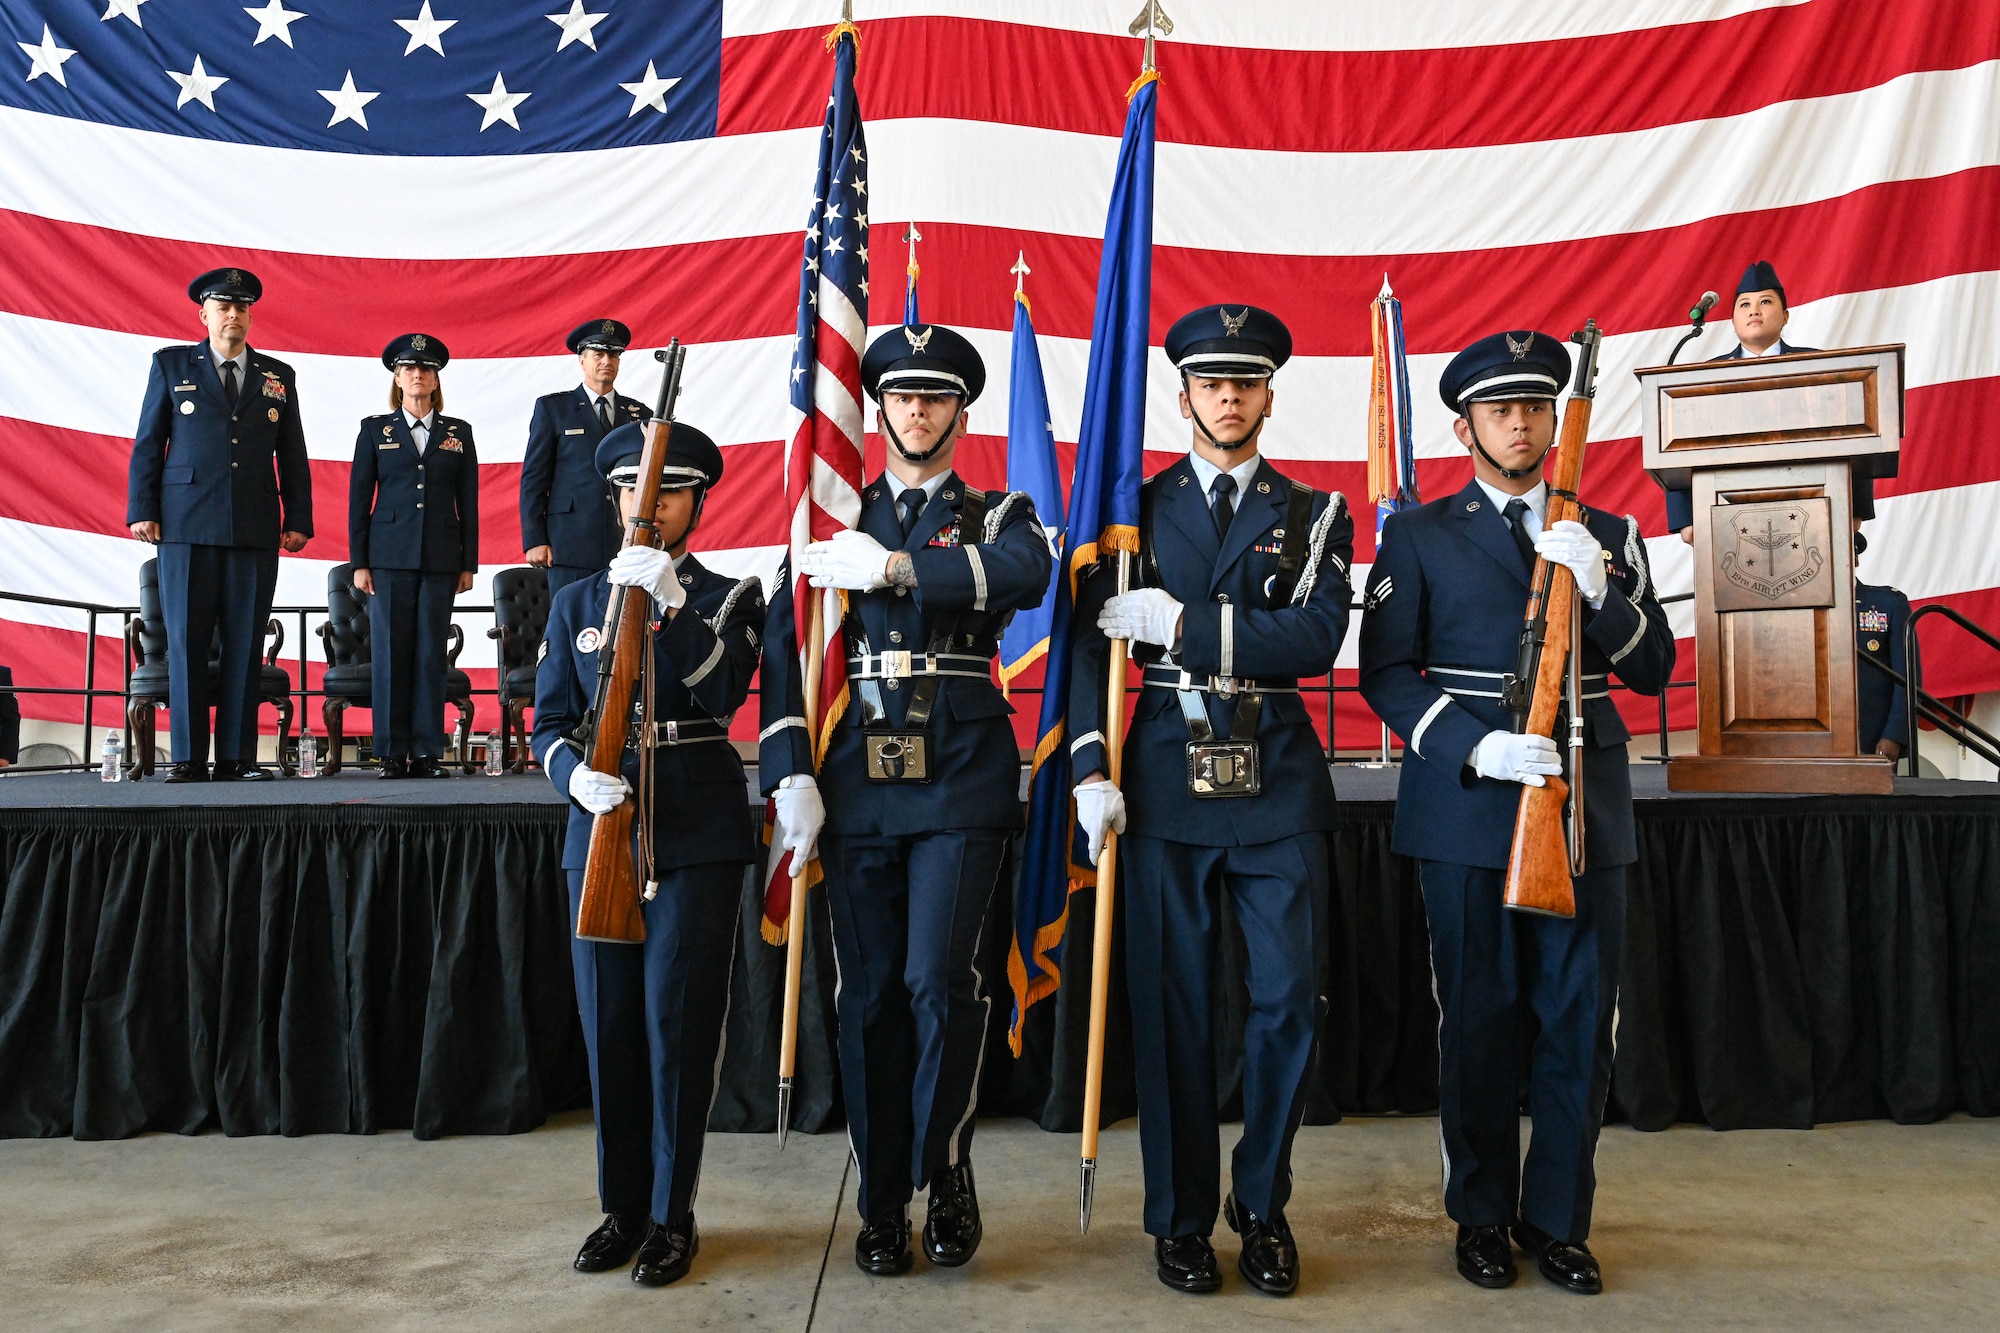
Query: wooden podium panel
[(1766, 447)]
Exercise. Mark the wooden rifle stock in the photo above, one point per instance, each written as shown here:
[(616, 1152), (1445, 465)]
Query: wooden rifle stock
[(1539, 869), (609, 909)]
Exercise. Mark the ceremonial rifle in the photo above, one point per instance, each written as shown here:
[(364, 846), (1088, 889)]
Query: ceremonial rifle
[(1548, 839), (609, 910)]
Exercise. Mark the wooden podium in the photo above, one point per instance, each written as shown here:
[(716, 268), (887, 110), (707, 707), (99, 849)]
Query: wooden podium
[(1768, 445)]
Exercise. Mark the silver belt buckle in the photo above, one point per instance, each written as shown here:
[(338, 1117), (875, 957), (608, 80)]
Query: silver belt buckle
[(673, 732), (895, 664), (1226, 686)]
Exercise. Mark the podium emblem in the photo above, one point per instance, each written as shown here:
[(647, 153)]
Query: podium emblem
[(1772, 555)]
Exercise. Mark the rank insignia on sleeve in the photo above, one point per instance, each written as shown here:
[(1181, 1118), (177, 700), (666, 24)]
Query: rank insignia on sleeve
[(541, 651), (1378, 594)]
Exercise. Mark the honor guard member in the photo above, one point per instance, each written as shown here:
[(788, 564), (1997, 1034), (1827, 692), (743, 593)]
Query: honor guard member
[(1759, 318), (219, 481), (653, 1012), (1880, 615), (413, 537), (1439, 640), (1243, 590), (569, 517), (921, 791)]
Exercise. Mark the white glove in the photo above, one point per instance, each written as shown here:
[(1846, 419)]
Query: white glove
[(599, 793), (1515, 758), (652, 569), (851, 559), (801, 813), (1099, 806), (1572, 544), (1148, 615)]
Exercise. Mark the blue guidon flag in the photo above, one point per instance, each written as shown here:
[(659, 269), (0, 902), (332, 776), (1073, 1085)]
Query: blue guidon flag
[(1103, 519), (1031, 468)]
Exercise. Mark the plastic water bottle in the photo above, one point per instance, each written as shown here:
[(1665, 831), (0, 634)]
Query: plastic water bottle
[(113, 767), (494, 757), (308, 754)]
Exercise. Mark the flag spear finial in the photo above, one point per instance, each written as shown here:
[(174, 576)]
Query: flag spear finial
[(1152, 21), (1020, 272), (1385, 293)]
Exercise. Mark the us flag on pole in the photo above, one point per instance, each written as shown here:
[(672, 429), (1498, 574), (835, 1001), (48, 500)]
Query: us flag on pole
[(823, 453)]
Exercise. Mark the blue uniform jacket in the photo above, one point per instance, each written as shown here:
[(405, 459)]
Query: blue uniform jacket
[(1880, 615), (217, 476), (1448, 590), (1228, 628), (975, 762), (703, 661), (407, 510), (565, 502)]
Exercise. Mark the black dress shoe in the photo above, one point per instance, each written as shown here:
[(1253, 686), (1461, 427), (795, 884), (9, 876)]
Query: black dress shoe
[(428, 768), (187, 772), (1485, 1257), (1269, 1260), (1571, 1267), (883, 1247), (394, 768), (1187, 1263), (667, 1253), (240, 770), (952, 1229), (612, 1244)]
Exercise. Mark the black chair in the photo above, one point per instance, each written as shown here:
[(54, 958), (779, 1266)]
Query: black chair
[(520, 615), (350, 671), (152, 674)]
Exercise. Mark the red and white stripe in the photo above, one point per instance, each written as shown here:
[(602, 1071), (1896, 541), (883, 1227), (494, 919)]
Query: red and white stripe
[(1512, 163)]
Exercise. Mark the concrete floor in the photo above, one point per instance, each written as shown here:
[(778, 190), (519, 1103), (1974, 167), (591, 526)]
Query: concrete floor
[(1854, 1226)]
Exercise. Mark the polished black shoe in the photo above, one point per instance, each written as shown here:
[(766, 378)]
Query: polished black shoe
[(393, 768), (1486, 1257), (1571, 1267), (1187, 1263), (187, 772), (952, 1229), (428, 768), (667, 1253), (883, 1247), (613, 1244), (240, 770), (1269, 1260)]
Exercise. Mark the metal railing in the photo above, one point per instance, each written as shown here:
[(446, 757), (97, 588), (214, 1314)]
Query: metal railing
[(90, 692), (1920, 703)]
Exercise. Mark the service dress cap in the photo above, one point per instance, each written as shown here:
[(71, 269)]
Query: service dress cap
[(692, 458), (1761, 277), (605, 334), (923, 358), (1242, 343), (1506, 367), (416, 349), (228, 284)]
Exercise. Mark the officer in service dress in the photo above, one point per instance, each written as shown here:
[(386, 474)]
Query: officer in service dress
[(1439, 637), (1880, 616), (569, 518), (919, 790), (1242, 590), (1759, 318), (653, 1012), (219, 480), (413, 537)]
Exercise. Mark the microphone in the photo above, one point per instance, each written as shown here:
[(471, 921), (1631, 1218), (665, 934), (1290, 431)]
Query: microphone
[(1699, 314)]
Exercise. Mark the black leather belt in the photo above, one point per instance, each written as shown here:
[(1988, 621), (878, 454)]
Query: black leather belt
[(688, 731)]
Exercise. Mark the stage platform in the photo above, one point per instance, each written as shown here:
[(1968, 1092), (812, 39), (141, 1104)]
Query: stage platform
[(351, 955)]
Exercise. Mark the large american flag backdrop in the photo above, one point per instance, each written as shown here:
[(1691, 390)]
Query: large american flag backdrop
[(494, 172)]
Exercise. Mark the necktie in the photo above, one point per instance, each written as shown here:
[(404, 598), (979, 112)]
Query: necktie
[(229, 382), (912, 501), (1517, 523), (1222, 491), (604, 413)]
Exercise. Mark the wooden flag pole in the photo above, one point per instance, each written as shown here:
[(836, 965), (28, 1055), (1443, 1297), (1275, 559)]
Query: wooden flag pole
[(795, 927), (1100, 939)]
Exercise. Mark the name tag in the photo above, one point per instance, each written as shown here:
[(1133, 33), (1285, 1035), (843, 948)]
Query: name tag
[(574, 430), (185, 388), (389, 444)]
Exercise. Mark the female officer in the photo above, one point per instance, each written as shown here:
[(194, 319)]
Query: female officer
[(413, 536)]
